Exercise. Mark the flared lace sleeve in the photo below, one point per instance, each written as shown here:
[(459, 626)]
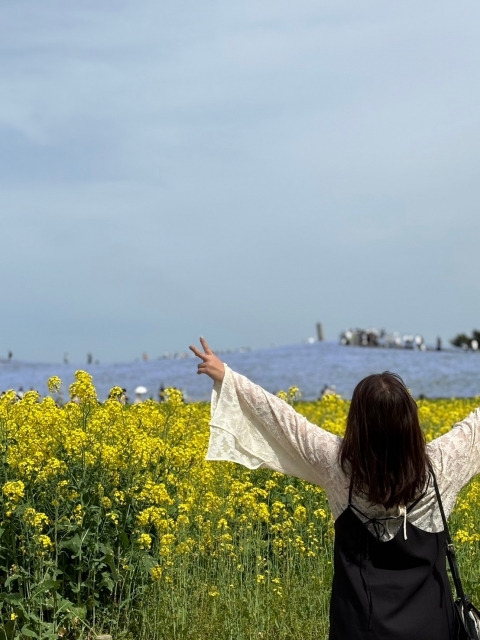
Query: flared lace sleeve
[(456, 457), (256, 429)]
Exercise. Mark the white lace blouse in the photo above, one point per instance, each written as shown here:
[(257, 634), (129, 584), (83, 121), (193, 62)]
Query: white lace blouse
[(258, 430)]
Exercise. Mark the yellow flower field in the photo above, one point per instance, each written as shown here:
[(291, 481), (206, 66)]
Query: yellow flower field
[(111, 521)]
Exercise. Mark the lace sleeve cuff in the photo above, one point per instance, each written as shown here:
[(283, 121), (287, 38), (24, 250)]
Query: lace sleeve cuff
[(237, 435)]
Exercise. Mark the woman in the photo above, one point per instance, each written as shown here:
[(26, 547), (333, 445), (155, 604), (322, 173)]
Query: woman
[(390, 580)]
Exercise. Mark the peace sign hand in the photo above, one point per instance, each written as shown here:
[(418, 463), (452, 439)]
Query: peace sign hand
[(211, 365)]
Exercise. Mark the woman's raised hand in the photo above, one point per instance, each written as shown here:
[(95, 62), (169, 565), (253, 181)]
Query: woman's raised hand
[(211, 365)]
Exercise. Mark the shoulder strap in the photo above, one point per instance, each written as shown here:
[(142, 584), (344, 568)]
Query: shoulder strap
[(452, 559)]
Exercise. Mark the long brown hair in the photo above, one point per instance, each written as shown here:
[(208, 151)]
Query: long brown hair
[(384, 447)]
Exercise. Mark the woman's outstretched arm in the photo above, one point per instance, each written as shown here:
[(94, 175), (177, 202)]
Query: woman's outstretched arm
[(456, 454), (257, 429)]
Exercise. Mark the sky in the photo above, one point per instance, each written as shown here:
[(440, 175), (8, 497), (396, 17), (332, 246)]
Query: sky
[(235, 170)]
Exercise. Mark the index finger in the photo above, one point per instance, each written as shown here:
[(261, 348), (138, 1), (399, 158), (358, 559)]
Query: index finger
[(198, 353), (205, 346)]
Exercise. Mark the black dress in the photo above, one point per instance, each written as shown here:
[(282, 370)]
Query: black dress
[(395, 590)]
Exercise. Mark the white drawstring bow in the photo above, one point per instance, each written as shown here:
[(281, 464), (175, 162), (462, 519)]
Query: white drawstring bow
[(403, 512)]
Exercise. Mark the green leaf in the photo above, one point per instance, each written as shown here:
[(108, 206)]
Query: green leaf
[(32, 617), (64, 605), (12, 598), (6, 631), (104, 549), (107, 582), (79, 612), (148, 562), (111, 563), (10, 579), (28, 632), (46, 585), (125, 540), (74, 544)]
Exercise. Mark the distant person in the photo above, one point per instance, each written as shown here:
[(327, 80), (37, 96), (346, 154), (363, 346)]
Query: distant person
[(121, 397), (145, 356), (89, 358), (328, 390), (139, 393), (59, 401), (10, 356), (161, 393), (20, 392), (65, 358), (390, 579), (439, 344)]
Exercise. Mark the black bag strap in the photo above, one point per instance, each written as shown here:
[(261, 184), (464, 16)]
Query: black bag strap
[(452, 561)]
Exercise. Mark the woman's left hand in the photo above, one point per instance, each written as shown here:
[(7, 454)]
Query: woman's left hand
[(211, 365)]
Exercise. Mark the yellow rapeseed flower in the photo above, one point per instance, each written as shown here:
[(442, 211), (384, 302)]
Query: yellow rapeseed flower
[(54, 383)]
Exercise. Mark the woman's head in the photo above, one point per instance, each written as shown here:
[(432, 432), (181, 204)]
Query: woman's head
[(384, 446)]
